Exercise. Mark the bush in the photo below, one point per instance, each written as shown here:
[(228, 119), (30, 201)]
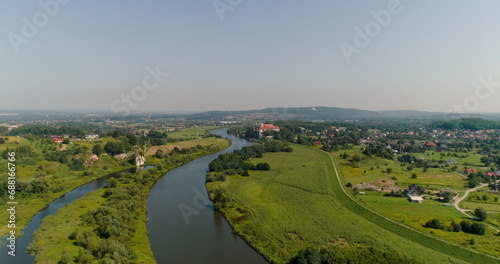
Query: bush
[(348, 185), (263, 166), (159, 154), (308, 256), (456, 227), (434, 223), (414, 176)]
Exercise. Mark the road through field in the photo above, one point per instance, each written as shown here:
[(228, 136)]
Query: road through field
[(463, 211), (416, 236)]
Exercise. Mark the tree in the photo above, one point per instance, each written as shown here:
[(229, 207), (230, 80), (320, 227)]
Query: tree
[(478, 229), (2, 140), (465, 226), (414, 176), (97, 149), (66, 141), (486, 161), (447, 196), (481, 213)]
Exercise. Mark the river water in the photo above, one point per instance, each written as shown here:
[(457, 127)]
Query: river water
[(183, 225), (21, 256)]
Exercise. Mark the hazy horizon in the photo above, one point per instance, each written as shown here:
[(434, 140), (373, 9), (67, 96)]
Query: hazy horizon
[(210, 55)]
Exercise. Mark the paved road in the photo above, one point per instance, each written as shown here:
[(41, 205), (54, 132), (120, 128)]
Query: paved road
[(463, 211), (459, 199)]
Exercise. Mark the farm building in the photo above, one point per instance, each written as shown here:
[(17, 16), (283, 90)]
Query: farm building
[(416, 199)]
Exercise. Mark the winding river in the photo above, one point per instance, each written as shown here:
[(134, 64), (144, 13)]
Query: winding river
[(22, 243), (184, 227)]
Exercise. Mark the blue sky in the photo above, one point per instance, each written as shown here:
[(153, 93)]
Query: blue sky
[(430, 56)]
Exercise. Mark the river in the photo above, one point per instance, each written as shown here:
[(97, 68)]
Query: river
[(183, 225)]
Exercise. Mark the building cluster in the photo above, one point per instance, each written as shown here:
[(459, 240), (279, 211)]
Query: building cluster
[(266, 127)]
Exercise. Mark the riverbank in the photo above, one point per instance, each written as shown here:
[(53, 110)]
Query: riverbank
[(84, 214)]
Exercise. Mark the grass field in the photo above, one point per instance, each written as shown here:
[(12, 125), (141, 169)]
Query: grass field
[(186, 144), (191, 133), (416, 215), (375, 168), (50, 245), (299, 204)]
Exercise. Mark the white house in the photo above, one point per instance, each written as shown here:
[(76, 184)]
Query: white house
[(91, 136)]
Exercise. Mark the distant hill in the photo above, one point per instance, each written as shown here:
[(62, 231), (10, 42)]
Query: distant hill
[(314, 113)]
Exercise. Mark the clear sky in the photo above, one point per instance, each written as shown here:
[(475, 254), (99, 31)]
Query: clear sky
[(430, 55)]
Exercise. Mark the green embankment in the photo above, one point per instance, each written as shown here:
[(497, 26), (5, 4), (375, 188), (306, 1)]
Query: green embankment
[(300, 204)]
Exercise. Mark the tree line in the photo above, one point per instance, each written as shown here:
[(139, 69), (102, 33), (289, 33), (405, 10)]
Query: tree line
[(238, 162)]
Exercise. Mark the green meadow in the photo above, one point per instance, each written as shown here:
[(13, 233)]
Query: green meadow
[(299, 203), (191, 133), (416, 215)]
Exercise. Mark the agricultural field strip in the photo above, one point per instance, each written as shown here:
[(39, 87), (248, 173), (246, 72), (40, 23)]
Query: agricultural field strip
[(399, 224)]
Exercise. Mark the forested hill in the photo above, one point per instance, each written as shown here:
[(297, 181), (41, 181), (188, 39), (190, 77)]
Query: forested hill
[(314, 113), (473, 124)]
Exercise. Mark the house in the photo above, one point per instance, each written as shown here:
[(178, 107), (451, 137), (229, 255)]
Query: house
[(416, 199), (91, 137), (470, 170), (266, 127), (58, 140), (491, 174), (451, 161)]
